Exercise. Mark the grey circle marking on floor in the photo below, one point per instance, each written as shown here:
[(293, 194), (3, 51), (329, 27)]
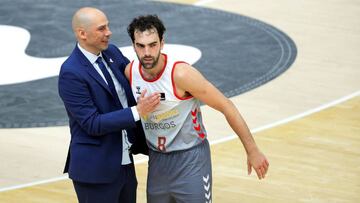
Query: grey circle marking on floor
[(238, 53)]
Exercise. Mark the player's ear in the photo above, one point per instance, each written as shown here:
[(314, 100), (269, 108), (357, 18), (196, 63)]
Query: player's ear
[(162, 44)]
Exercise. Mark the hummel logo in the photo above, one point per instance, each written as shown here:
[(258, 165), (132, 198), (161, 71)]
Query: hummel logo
[(207, 185), (206, 179), (208, 195), (138, 90)]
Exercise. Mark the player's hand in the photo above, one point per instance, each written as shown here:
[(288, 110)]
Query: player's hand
[(147, 104), (258, 161)]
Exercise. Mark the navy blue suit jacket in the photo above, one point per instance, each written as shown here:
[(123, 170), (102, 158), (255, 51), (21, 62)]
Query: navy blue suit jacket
[(96, 122)]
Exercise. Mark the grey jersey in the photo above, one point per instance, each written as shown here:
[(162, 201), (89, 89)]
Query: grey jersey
[(177, 123)]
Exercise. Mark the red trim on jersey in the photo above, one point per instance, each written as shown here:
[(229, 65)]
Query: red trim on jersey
[(130, 76), (193, 113), (198, 127), (158, 76), (173, 82), (202, 135)]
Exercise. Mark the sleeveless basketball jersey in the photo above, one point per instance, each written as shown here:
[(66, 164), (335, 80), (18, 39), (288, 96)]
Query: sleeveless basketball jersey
[(176, 124)]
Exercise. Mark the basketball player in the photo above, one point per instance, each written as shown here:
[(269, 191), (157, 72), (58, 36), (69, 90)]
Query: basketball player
[(179, 157)]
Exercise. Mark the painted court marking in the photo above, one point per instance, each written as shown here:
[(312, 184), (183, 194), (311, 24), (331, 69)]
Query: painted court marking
[(228, 138), (28, 68), (203, 2)]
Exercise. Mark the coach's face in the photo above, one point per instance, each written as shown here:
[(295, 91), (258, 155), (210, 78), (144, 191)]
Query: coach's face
[(96, 34)]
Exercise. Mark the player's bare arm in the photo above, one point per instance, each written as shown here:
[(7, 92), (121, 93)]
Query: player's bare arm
[(188, 80), (127, 71)]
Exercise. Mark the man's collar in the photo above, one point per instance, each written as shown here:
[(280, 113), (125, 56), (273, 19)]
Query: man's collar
[(90, 56)]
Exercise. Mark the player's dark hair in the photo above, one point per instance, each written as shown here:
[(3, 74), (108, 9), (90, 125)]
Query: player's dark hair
[(146, 22)]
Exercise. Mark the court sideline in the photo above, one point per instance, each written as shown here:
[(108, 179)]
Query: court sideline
[(325, 70)]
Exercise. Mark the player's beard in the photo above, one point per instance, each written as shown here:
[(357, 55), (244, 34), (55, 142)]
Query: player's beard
[(148, 65)]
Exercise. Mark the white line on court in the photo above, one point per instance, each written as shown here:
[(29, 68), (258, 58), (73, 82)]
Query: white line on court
[(292, 118), (231, 137), (141, 160), (202, 2), (34, 183)]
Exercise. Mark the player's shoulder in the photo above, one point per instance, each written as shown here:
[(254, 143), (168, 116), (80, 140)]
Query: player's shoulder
[(185, 73), (181, 67)]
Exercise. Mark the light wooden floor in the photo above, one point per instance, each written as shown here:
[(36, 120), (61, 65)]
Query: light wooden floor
[(313, 159)]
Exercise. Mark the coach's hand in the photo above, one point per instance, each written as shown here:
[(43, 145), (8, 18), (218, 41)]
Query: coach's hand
[(147, 104)]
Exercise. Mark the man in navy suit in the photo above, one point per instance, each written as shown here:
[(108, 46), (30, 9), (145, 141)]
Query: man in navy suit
[(103, 115)]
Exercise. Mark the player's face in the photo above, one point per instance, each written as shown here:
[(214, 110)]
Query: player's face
[(148, 47), (97, 34)]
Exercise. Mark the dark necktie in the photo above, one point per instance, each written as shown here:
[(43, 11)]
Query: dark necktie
[(108, 78)]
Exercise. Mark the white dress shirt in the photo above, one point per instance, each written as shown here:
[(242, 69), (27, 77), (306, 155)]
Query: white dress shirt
[(122, 97)]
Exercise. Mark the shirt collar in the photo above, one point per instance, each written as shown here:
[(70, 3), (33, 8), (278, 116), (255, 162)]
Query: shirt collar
[(90, 56)]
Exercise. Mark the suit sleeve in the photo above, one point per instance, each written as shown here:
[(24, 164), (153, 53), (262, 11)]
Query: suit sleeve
[(122, 56), (79, 104)]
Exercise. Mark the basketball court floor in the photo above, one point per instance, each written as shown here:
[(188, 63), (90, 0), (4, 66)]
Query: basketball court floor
[(306, 120)]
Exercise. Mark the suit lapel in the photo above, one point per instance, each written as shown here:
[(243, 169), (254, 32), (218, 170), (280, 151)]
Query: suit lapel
[(91, 70), (120, 77)]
